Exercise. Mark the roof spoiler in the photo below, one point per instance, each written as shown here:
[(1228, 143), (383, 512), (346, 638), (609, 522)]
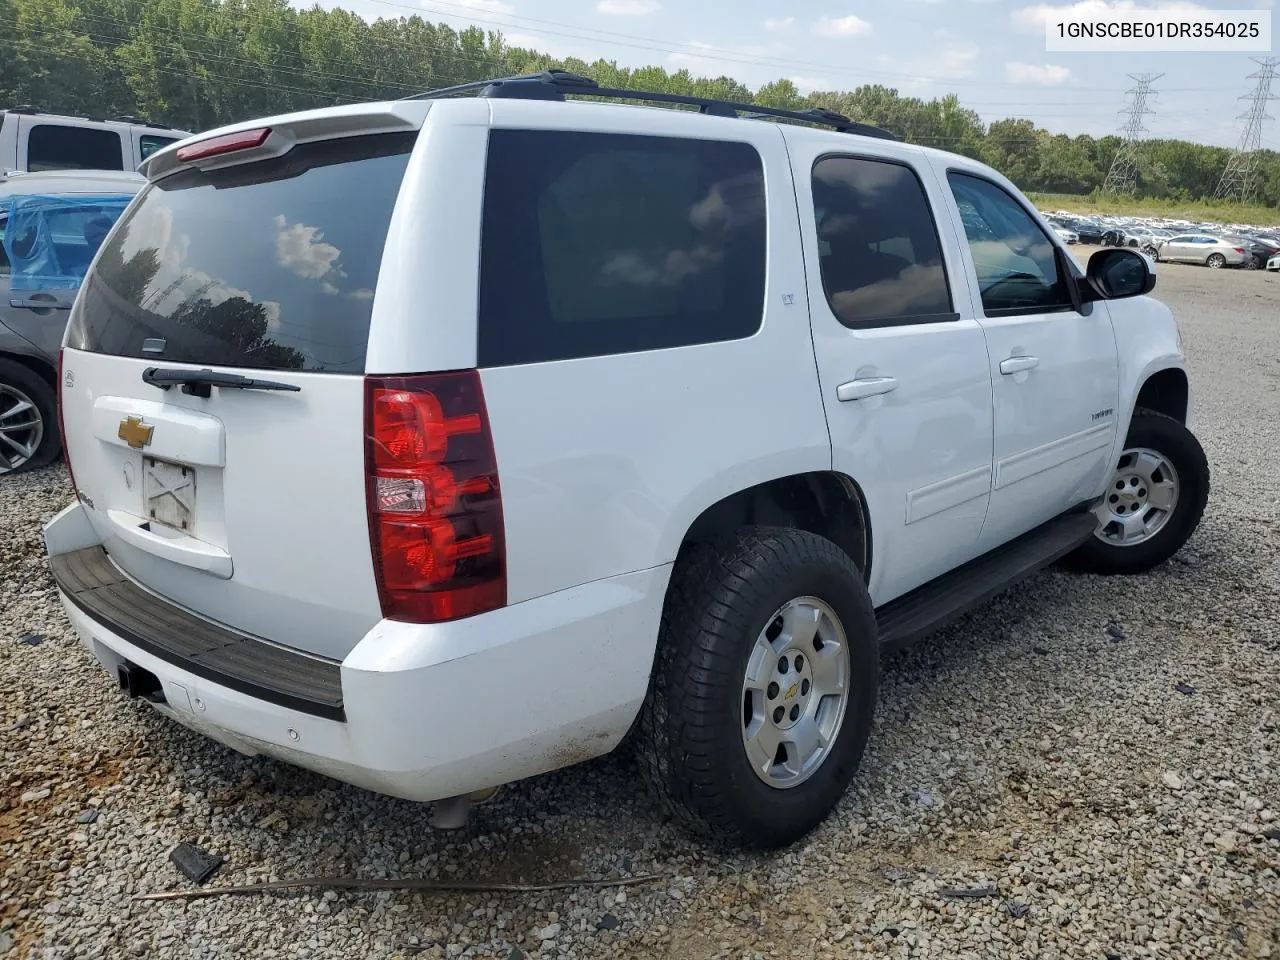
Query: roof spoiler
[(349, 120)]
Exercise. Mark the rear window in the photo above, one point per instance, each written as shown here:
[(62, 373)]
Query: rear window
[(270, 265), (54, 147), (599, 244)]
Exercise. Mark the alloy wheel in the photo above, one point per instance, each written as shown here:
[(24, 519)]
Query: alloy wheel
[(795, 692), (1140, 499), (21, 428)]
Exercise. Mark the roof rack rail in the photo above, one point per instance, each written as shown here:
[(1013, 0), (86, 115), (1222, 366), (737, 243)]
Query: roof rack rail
[(139, 121), (555, 84), (25, 108)]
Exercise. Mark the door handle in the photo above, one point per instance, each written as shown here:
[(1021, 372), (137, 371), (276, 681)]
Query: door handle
[(1018, 364), (868, 387)]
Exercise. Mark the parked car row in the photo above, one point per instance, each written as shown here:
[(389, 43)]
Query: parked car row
[(1214, 245)]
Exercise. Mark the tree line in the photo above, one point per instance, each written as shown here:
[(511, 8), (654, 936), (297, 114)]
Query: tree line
[(196, 64)]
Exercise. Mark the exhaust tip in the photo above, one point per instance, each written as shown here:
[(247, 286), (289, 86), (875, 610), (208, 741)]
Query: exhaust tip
[(136, 682)]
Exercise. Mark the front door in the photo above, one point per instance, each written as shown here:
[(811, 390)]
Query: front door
[(903, 374), (1054, 371)]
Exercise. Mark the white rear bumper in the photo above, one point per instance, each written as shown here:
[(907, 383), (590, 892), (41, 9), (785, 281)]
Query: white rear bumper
[(439, 710)]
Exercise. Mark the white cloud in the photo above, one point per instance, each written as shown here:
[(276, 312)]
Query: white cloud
[(1032, 19), (628, 8), (709, 59), (1043, 75), (779, 23), (850, 26), (303, 250), (484, 6), (809, 84), (950, 63), (955, 62)]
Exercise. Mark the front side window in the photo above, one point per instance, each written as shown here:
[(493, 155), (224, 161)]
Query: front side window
[(55, 147), (595, 244), (1015, 260), (878, 248), (149, 143)]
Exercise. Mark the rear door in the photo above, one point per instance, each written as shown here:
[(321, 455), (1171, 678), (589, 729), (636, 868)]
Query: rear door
[(245, 506), (901, 360), (1176, 248)]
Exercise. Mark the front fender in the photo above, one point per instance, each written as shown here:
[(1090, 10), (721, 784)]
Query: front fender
[(1147, 342)]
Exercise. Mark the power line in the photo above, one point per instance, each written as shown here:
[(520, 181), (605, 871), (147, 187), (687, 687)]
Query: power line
[(1122, 178), (1239, 179)]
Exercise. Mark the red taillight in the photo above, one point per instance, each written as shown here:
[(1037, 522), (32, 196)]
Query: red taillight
[(435, 508), (1238, 249), (227, 143), (62, 429)]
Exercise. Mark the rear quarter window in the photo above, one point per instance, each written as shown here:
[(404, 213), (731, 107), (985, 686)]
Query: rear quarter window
[(597, 244), (269, 265), (56, 147)]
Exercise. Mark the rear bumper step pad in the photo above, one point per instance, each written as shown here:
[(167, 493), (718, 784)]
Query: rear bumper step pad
[(234, 660)]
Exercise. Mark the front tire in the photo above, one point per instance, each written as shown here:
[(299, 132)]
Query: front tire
[(28, 419), (764, 687), (1216, 261), (1154, 500)]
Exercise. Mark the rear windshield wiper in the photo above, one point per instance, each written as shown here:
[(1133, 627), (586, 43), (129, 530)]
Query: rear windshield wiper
[(198, 383)]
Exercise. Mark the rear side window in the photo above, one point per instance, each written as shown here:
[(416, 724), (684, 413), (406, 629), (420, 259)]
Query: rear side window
[(271, 264), (4, 257), (55, 147), (878, 247), (598, 244), (149, 143)]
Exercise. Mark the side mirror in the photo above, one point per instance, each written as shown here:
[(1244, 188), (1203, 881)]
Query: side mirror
[(1116, 274)]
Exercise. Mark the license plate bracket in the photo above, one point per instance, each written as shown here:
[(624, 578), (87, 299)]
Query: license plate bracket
[(169, 493)]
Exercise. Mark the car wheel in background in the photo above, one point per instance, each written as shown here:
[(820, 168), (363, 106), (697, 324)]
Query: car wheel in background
[(1216, 261), (28, 419)]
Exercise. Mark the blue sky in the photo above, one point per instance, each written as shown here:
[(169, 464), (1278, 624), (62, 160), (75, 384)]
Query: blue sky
[(991, 53)]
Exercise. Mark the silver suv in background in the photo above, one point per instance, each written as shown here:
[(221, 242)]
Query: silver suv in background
[(31, 140), (51, 225)]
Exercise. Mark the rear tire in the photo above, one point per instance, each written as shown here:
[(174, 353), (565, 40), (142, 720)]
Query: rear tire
[(714, 696), (1184, 478), (1216, 261), (28, 419)]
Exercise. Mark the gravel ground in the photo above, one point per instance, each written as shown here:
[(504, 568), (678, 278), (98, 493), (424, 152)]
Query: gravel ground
[(1099, 753)]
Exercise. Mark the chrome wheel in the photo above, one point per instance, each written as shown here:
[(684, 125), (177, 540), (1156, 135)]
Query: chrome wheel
[(1140, 498), (1216, 261), (21, 428), (795, 692)]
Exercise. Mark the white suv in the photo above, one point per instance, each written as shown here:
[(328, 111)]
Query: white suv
[(33, 141), (440, 443)]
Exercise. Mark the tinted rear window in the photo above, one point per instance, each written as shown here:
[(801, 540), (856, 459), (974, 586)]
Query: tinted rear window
[(270, 265), (603, 244), (54, 147)]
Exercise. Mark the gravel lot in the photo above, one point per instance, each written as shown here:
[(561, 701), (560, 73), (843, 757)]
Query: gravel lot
[(1100, 752)]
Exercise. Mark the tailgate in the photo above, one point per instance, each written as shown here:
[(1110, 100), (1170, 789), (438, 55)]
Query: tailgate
[(246, 505)]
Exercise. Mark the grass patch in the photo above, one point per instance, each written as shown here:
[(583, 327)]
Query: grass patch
[(1198, 210)]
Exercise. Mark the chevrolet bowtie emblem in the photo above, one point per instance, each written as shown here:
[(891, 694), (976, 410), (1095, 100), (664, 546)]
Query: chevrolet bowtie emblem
[(135, 433)]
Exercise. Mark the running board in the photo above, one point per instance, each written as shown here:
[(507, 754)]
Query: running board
[(929, 608)]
